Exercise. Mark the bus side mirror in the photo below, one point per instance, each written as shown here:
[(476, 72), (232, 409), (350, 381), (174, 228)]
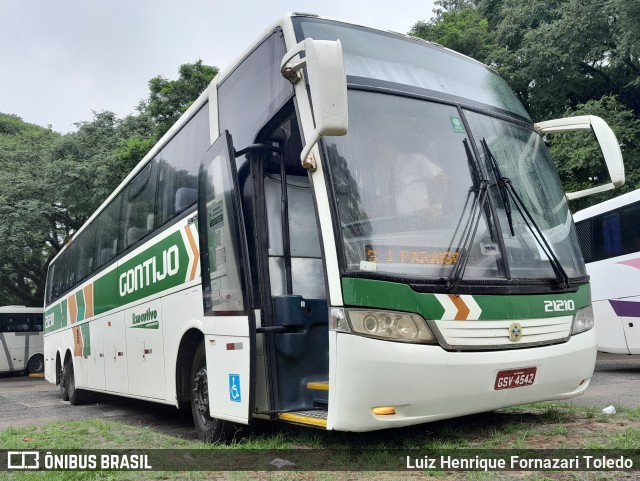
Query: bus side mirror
[(606, 139), (327, 87)]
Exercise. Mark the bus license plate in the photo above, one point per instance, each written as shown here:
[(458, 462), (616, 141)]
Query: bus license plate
[(515, 378)]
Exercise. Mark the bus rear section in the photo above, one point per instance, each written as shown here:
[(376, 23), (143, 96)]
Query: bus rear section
[(21, 340)]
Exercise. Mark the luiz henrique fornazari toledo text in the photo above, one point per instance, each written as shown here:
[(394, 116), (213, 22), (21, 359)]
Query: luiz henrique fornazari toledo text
[(516, 462)]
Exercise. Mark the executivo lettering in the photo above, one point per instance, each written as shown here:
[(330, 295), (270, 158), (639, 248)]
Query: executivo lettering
[(153, 270), (146, 316)]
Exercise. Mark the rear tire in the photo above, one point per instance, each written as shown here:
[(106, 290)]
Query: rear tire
[(75, 396), (209, 429), (64, 389), (36, 364)]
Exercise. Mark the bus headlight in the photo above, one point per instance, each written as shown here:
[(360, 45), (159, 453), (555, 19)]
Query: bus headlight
[(391, 325), (583, 320)]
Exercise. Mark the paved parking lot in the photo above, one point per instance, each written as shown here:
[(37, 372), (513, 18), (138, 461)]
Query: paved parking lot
[(26, 401), (616, 381)]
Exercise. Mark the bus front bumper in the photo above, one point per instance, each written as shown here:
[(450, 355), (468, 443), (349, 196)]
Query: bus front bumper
[(426, 383)]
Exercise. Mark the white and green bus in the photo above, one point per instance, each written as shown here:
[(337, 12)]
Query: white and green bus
[(21, 340), (350, 229)]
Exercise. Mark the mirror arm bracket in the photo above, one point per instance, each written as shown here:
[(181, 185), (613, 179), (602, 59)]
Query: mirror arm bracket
[(289, 68)]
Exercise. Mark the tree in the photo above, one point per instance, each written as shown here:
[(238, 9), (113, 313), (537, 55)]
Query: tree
[(561, 57), (579, 161), (168, 99), (28, 226), (463, 30), (50, 183)]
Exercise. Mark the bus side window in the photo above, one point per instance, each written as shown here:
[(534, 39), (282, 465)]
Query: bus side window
[(35, 322), (84, 243), (22, 323), (107, 227), (178, 165), (139, 205)]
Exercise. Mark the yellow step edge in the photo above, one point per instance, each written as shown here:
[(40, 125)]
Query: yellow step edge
[(297, 418), (318, 386)]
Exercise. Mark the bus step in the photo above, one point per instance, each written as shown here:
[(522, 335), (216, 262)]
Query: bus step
[(318, 386), (316, 418)]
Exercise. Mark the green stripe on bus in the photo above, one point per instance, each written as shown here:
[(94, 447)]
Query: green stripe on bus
[(86, 339), (105, 292), (81, 305), (56, 317), (389, 295), (400, 297), (161, 266)]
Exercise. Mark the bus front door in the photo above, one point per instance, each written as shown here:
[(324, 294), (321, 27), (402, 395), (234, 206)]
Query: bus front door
[(294, 319), (229, 324)]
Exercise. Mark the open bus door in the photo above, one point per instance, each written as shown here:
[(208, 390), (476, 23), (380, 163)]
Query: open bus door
[(229, 324)]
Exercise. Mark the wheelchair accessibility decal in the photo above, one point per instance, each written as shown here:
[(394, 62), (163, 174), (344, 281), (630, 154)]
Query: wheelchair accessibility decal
[(234, 387)]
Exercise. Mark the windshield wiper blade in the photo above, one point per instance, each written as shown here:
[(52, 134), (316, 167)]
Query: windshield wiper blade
[(502, 184), (481, 190), (507, 190)]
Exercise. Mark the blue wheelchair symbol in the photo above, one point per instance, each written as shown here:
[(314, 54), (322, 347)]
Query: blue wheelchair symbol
[(234, 388)]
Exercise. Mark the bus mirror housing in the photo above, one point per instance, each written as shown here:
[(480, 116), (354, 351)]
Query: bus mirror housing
[(608, 145), (327, 88)]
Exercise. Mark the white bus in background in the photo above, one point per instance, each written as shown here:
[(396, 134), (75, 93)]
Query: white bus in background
[(609, 236), (264, 261), (21, 343)]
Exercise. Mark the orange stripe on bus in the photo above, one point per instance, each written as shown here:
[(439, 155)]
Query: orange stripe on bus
[(463, 309), (77, 341), (73, 309), (88, 301), (196, 252)]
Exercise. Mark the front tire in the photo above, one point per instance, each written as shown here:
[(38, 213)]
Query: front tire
[(209, 429)]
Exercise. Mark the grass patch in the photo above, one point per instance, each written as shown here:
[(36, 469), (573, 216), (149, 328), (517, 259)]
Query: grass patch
[(537, 426)]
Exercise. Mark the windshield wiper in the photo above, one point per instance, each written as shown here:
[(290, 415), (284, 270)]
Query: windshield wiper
[(481, 191), (507, 190)]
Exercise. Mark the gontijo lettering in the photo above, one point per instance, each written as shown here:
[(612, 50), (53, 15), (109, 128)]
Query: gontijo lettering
[(49, 320), (150, 271)]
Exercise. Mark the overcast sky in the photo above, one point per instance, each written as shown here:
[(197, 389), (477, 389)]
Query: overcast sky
[(62, 59)]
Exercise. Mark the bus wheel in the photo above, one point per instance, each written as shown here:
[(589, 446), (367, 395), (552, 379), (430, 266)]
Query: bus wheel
[(75, 396), (209, 429), (36, 364), (64, 388)]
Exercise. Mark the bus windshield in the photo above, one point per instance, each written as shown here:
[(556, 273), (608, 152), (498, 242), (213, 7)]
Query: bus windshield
[(392, 58), (405, 183)]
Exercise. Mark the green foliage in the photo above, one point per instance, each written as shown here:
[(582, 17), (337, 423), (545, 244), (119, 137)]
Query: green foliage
[(26, 209), (463, 30), (168, 99), (562, 58), (50, 183), (578, 157)]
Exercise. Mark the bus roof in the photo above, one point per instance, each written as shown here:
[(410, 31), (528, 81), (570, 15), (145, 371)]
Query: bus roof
[(20, 310), (607, 205)]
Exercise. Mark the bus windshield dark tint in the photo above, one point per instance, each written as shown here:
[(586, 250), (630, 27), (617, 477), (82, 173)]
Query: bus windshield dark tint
[(390, 57)]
